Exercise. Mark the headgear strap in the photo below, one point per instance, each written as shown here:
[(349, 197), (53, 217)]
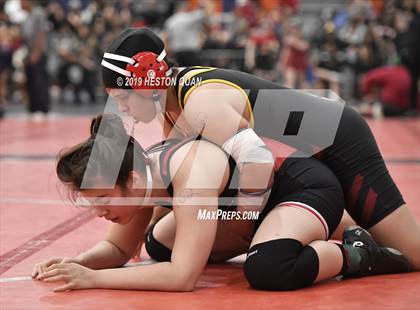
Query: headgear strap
[(128, 60)]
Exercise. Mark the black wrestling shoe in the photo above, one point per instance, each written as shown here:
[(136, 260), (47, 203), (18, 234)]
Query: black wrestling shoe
[(358, 235), (372, 259)]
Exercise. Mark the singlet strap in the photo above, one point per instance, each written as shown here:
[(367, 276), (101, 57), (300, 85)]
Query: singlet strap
[(207, 75), (165, 160), (160, 146), (171, 121), (182, 88)]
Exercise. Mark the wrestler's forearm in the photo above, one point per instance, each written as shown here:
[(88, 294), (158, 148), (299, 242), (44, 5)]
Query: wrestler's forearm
[(158, 277), (103, 255)]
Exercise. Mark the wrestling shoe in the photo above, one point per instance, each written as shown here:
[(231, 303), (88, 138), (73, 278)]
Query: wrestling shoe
[(371, 258)]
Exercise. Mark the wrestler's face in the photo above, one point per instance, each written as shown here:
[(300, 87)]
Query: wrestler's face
[(118, 204), (137, 104), (105, 204)]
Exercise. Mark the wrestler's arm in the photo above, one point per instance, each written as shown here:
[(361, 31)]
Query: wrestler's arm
[(218, 112), (197, 177), (115, 250)]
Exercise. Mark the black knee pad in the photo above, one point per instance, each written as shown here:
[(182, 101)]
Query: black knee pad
[(281, 265), (155, 249)]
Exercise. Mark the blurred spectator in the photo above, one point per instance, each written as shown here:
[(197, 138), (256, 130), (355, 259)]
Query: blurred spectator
[(330, 62), (78, 72), (262, 49), (34, 34), (366, 57), (8, 43), (184, 34), (415, 68), (56, 16), (295, 57), (404, 40), (151, 13), (407, 25), (389, 86), (355, 29)]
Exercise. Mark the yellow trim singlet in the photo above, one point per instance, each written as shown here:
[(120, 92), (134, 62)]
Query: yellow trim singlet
[(197, 71)]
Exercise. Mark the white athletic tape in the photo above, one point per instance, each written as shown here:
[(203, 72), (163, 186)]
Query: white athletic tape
[(15, 279), (246, 147)]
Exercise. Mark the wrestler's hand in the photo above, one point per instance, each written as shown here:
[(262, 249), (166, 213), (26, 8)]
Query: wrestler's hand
[(42, 266), (73, 275)]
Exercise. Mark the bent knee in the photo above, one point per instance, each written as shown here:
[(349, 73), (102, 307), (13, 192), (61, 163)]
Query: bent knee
[(281, 265)]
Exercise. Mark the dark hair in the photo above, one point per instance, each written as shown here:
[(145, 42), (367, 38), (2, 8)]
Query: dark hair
[(73, 163)]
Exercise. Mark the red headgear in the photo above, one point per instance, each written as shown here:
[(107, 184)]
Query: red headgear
[(145, 70)]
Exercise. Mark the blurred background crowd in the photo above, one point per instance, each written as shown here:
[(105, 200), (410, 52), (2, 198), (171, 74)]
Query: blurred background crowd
[(368, 51)]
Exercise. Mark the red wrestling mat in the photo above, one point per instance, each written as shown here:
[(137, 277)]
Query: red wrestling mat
[(37, 223)]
